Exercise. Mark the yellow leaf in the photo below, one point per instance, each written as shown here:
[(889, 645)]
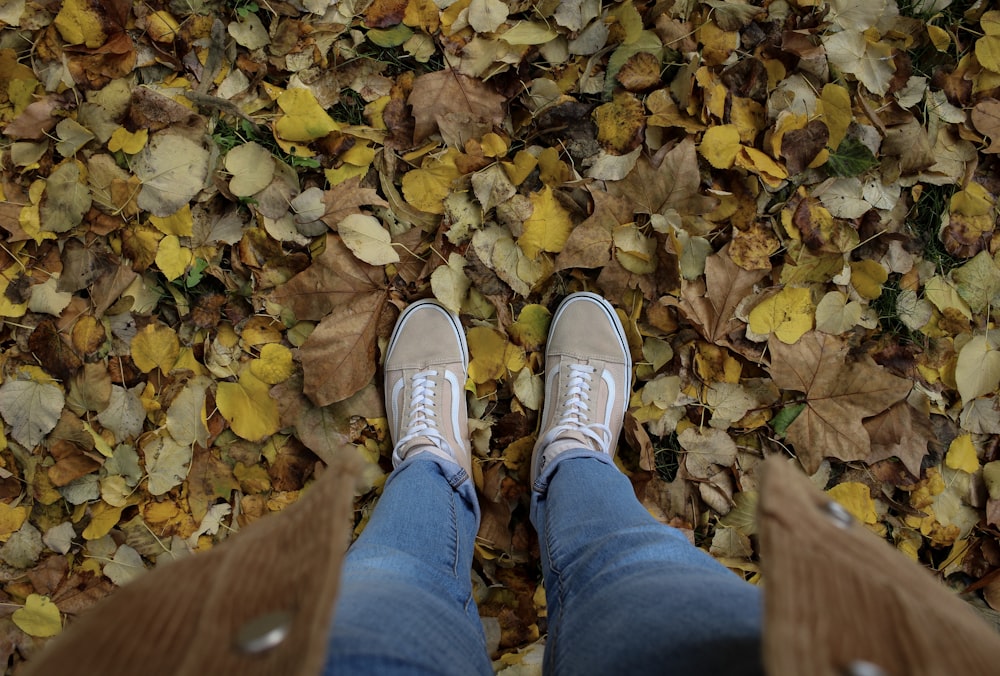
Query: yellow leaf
[(788, 315), (857, 499), (172, 258), (988, 52), (962, 454), (867, 277), (179, 223), (426, 188), (304, 119), (493, 145), (532, 327), (103, 517), (248, 407), (749, 118), (450, 284), (720, 145), (522, 166), (9, 308), (162, 27), (718, 44), (39, 617), (275, 364), (548, 227), (620, 123), (940, 38), (770, 172), (155, 346), (974, 200), (252, 169), (11, 518), (487, 348), (836, 111), (368, 239), (128, 142), (78, 23), (551, 170)]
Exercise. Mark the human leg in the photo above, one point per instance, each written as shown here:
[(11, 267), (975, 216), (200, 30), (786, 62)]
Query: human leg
[(625, 593), (405, 604)]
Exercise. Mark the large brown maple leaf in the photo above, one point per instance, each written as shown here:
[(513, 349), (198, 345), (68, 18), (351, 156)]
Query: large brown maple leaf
[(840, 394)]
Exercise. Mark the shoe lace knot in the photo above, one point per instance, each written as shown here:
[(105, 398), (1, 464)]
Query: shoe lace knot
[(575, 416), (422, 423)]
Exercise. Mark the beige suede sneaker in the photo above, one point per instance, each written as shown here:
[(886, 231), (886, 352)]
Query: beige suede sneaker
[(588, 375), (426, 366)]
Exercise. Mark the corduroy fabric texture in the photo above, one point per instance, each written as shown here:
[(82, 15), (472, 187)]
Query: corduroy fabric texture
[(837, 595), (184, 618)]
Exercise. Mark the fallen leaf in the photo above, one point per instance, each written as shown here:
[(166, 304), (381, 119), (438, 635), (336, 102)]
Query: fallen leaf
[(38, 617), (172, 168), (252, 169), (250, 410), (977, 371), (367, 239), (839, 395), (459, 107), (711, 304), (31, 409), (787, 314), (548, 228)]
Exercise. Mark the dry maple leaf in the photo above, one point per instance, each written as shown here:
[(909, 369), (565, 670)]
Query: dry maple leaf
[(345, 198), (840, 394), (335, 278), (458, 106), (673, 184), (711, 303), (338, 358), (590, 243), (900, 432)]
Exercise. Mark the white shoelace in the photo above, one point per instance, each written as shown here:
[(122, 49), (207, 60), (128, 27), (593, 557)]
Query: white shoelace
[(422, 423), (575, 409)]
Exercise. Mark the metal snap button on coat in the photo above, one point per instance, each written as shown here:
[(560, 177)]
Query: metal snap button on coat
[(863, 668), (264, 632), (838, 514)]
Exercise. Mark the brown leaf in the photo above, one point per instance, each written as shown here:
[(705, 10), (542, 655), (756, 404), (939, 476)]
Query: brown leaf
[(334, 279), (458, 106), (799, 147), (710, 303), (54, 353), (338, 358), (34, 120), (673, 184), (900, 432), (840, 394), (640, 72), (385, 13), (345, 199), (590, 243), (986, 120), (154, 111)]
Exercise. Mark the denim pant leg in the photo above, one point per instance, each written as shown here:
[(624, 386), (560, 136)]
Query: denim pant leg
[(405, 604), (627, 594)]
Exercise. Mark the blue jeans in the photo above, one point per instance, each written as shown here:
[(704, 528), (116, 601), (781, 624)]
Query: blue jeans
[(625, 593)]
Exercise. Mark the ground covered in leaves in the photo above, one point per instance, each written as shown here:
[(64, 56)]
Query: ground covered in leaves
[(213, 210)]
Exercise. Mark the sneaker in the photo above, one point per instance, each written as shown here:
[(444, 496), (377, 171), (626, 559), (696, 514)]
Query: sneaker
[(426, 366), (588, 375)]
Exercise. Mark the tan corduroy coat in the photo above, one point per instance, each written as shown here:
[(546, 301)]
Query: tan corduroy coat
[(837, 599)]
